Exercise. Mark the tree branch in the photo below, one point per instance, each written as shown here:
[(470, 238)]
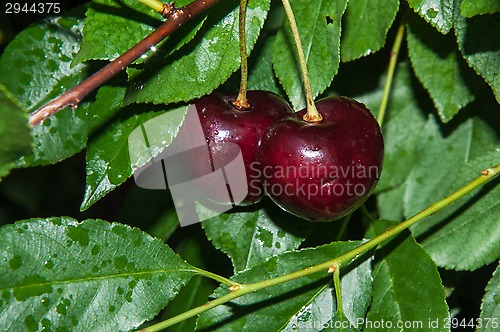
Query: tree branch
[(176, 17)]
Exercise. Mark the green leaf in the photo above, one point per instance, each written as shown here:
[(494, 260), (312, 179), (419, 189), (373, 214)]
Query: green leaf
[(109, 163), (249, 237), (366, 26), (490, 306), (60, 274), (298, 303), (320, 41), (14, 132), (407, 288), (41, 56), (261, 74), (478, 42), (437, 12), (439, 155), (208, 61), (437, 63), (390, 203), (402, 128), (114, 26), (108, 102), (470, 8), (466, 235)]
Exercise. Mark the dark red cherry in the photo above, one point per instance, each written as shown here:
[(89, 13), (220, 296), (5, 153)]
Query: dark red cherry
[(228, 132), (322, 171)]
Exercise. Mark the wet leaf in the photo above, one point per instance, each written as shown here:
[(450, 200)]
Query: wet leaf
[(249, 237), (439, 13), (306, 303), (84, 276), (14, 132), (42, 55)]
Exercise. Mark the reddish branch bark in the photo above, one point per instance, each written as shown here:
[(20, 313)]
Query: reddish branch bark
[(176, 17)]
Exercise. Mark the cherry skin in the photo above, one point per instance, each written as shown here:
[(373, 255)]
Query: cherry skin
[(322, 171), (228, 131)]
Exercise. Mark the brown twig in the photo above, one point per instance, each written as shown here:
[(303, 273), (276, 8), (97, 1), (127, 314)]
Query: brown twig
[(74, 96)]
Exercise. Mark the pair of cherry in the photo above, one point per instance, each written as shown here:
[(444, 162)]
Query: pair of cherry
[(319, 171)]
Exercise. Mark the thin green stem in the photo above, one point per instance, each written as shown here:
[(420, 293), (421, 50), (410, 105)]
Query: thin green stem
[(343, 227), (312, 114), (365, 212), (335, 264), (156, 5), (216, 277), (390, 72), (241, 101)]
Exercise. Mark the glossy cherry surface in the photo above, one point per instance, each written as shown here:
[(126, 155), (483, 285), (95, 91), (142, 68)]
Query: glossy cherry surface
[(322, 171), (227, 132)]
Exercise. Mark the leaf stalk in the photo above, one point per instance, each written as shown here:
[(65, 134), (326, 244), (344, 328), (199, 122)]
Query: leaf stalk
[(156, 5), (390, 71)]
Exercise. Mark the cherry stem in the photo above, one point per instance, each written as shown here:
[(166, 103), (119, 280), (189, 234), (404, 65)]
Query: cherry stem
[(312, 114), (241, 101), (75, 95), (335, 264), (390, 71), (156, 5)]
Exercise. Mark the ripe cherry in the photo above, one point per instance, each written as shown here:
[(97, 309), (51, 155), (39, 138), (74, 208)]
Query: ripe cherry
[(325, 170), (227, 131)]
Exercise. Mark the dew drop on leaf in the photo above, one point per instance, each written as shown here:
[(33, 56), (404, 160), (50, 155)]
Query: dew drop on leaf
[(119, 229), (46, 324), (30, 323), (120, 262), (79, 235), (45, 301), (15, 262), (49, 264), (132, 284), (431, 12), (62, 307), (32, 286), (128, 296), (95, 249)]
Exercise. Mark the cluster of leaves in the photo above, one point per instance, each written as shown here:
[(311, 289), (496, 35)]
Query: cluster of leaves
[(60, 274)]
